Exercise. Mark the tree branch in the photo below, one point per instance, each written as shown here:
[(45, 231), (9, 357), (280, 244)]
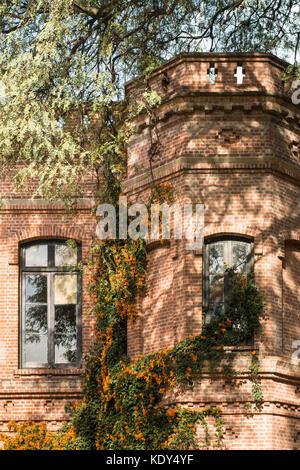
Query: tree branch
[(91, 11)]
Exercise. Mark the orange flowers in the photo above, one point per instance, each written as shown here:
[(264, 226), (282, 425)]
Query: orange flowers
[(139, 435), (171, 413), (34, 436)]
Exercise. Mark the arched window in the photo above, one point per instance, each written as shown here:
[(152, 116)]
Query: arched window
[(219, 253), (50, 304)]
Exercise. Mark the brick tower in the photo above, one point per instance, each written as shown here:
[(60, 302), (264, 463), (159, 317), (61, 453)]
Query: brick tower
[(228, 136)]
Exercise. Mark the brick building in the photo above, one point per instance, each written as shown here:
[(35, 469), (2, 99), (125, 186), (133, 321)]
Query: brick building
[(228, 137)]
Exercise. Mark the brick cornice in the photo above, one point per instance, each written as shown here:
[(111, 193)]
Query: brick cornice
[(42, 205), (48, 372), (206, 102), (208, 57), (64, 394), (217, 163)]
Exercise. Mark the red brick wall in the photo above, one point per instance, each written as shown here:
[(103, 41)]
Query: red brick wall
[(291, 297), (235, 149), (36, 394)]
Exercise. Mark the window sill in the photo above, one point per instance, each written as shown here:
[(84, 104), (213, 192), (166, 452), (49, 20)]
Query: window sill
[(48, 372), (240, 347)]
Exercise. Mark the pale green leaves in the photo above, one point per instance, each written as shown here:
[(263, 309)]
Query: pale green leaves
[(64, 64)]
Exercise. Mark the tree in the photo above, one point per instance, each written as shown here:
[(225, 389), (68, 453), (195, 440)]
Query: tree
[(68, 58), (64, 118)]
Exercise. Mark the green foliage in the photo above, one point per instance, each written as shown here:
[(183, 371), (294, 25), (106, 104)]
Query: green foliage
[(35, 436), (256, 389), (122, 405), (244, 305), (63, 65), (64, 119)]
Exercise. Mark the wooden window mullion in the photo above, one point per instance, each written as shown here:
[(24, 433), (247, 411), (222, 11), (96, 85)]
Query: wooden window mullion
[(205, 276), (23, 317), (78, 321), (50, 321), (226, 261)]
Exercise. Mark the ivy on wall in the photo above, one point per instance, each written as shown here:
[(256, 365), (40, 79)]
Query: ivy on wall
[(122, 405)]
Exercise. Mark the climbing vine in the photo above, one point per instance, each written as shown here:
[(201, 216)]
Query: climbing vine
[(123, 399), (122, 405), (35, 436)]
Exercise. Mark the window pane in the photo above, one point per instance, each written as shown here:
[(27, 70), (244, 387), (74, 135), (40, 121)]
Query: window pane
[(36, 255), (216, 288), (36, 319), (216, 258), (239, 256), (36, 334), (65, 289), (65, 255), (35, 349), (65, 338), (231, 252), (35, 288)]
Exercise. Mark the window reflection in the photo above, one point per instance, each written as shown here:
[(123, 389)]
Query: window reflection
[(50, 304), (36, 323), (65, 289), (35, 288), (239, 256), (65, 337), (36, 320), (36, 351), (65, 255), (218, 256), (36, 255)]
